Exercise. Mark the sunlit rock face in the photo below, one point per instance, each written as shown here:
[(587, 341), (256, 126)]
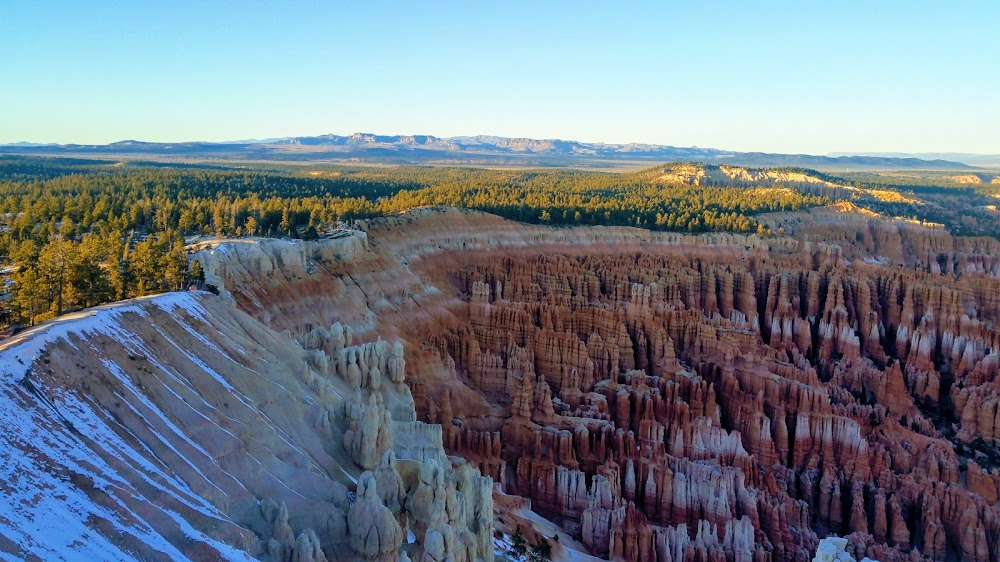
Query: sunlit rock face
[(621, 393)]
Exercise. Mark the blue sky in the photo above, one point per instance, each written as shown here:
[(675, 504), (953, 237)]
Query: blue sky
[(808, 76)]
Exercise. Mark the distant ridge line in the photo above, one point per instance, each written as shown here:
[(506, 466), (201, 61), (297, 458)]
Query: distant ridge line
[(478, 149)]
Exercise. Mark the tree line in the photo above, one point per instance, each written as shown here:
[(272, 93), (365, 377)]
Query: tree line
[(55, 272), (77, 233)]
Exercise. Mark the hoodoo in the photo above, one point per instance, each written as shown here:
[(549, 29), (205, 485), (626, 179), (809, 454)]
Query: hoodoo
[(614, 392)]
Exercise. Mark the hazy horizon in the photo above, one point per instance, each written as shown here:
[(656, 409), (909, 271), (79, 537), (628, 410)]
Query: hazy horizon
[(776, 77), (889, 154)]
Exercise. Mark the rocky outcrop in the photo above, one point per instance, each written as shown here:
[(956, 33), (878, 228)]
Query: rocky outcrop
[(369, 431), (834, 549), (391, 490), (308, 548), (373, 530)]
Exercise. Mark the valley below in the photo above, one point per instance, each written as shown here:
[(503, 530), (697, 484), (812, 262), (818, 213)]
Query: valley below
[(434, 383)]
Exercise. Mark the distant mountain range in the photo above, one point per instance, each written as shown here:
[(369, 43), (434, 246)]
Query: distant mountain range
[(981, 160), (477, 150)]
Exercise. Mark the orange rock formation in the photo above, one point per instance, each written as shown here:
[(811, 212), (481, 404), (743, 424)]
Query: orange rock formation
[(664, 397)]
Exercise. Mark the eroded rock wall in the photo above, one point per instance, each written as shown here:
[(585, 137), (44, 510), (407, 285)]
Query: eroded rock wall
[(718, 397)]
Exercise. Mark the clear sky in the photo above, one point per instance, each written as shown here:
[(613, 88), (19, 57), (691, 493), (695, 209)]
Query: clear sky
[(809, 76)]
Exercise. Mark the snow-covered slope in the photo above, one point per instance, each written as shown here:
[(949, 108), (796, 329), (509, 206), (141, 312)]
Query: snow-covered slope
[(166, 428), (180, 427), (80, 479)]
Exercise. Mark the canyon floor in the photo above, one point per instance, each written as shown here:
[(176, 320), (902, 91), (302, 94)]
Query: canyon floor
[(423, 387)]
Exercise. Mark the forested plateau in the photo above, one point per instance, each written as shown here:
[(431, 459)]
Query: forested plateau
[(80, 232)]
